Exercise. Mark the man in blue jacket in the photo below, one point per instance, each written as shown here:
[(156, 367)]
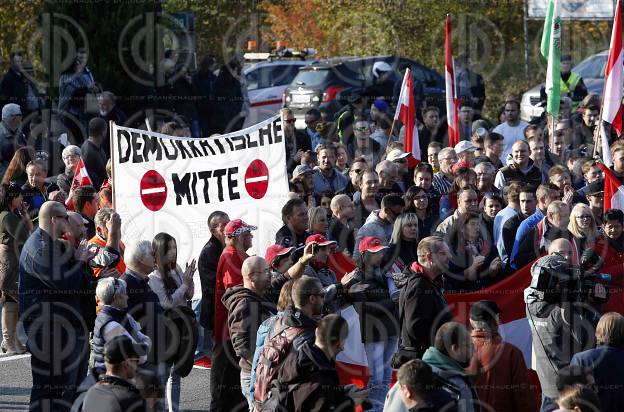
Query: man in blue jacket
[(50, 277)]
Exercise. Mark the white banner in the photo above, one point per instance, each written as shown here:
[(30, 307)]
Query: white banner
[(168, 184), (574, 9)]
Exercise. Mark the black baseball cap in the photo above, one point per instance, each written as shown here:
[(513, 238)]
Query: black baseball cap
[(121, 348), (595, 188), (484, 310)]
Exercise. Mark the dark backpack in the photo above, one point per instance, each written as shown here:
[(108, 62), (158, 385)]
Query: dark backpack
[(271, 359)]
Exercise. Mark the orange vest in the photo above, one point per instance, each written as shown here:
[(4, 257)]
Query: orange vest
[(121, 266)]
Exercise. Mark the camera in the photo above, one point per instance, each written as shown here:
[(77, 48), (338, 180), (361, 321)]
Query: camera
[(556, 281)]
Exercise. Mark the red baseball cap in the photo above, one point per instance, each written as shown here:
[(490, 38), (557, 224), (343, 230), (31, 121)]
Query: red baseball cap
[(237, 227), (371, 244), (319, 240), (461, 164), (274, 251)]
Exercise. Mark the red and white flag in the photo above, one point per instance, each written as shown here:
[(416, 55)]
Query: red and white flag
[(81, 178), (451, 95), (613, 190), (352, 364), (406, 113), (614, 82)]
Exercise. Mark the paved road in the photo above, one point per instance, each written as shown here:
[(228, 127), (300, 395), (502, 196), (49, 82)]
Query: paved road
[(15, 382)]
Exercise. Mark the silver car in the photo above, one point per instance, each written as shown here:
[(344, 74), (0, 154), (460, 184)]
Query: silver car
[(265, 83), (592, 70)]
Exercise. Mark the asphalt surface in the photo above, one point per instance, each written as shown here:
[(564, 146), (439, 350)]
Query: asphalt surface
[(15, 383)]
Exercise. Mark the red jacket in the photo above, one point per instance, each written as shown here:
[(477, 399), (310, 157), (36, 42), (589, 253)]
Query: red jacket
[(613, 265), (228, 275), (499, 374)]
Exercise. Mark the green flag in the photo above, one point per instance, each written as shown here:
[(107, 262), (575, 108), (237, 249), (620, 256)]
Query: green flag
[(551, 50)]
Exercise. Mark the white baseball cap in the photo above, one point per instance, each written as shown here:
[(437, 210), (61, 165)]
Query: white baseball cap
[(465, 146), (396, 154)]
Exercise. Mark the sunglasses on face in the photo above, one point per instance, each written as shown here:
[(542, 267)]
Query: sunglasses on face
[(291, 121)]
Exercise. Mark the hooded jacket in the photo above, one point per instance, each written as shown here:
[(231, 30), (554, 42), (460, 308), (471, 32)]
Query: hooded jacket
[(449, 369), (246, 312), (500, 374), (312, 381)]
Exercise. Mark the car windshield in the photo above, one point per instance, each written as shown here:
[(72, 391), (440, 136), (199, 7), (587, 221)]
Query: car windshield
[(271, 76), (310, 77), (592, 67)]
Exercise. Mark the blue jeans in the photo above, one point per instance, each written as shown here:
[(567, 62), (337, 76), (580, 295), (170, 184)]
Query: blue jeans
[(171, 382), (204, 336), (245, 379), (379, 355)]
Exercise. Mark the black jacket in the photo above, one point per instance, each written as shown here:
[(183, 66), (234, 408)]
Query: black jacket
[(294, 318), (144, 306), (343, 235), (436, 400), (94, 158), (378, 312), (312, 382), (207, 267), (299, 142), (422, 310), (513, 174), (14, 89), (288, 238), (113, 394), (246, 311)]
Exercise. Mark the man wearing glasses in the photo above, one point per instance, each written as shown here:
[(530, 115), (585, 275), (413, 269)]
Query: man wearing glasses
[(50, 278), (443, 179), (11, 135), (247, 308)]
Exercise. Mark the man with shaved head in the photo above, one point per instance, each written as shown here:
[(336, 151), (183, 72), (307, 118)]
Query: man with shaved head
[(538, 239), (247, 309), (50, 277), (343, 210), (561, 247)]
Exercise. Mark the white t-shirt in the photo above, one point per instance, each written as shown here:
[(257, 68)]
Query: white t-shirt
[(511, 134)]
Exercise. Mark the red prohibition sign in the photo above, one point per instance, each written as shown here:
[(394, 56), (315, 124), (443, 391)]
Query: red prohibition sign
[(153, 190), (257, 179)]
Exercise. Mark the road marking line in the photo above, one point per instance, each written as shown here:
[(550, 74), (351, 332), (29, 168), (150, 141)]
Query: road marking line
[(14, 357)]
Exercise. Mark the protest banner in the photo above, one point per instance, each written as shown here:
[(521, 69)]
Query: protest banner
[(170, 184)]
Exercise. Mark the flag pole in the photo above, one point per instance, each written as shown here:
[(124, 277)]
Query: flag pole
[(597, 137)]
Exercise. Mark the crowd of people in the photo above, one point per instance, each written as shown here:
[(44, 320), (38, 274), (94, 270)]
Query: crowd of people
[(112, 325)]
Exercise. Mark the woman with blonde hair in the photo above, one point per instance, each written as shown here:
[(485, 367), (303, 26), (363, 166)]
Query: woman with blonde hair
[(317, 220), (583, 227)]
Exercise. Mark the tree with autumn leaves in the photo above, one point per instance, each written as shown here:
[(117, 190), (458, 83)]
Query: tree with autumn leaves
[(489, 31)]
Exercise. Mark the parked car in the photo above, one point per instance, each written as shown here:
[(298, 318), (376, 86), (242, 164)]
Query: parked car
[(592, 70), (321, 83), (265, 83)]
